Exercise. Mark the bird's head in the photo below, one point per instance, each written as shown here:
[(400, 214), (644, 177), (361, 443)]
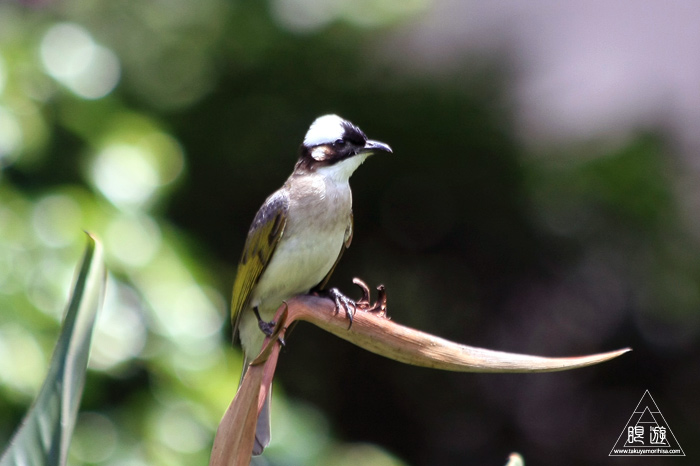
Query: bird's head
[(336, 147)]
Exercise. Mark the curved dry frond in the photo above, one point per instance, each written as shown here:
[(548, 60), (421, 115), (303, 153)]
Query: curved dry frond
[(400, 343), (374, 332)]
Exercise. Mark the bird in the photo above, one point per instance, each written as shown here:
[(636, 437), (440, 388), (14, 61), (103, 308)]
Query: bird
[(297, 238)]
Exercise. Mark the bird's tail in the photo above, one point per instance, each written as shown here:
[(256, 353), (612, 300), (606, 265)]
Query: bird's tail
[(262, 429)]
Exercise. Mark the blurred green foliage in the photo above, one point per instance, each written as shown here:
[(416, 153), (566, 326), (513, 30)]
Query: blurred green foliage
[(44, 436), (89, 97), (162, 126)]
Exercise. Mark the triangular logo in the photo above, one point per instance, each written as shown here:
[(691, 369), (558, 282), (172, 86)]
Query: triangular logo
[(647, 433)]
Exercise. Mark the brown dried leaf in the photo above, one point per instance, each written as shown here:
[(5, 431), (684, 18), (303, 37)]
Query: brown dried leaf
[(374, 332), (235, 436), (387, 338)]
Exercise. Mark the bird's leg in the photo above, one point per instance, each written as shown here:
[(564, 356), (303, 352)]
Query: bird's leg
[(268, 328)]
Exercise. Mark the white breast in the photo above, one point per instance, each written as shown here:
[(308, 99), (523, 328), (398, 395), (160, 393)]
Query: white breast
[(298, 264), (319, 215)]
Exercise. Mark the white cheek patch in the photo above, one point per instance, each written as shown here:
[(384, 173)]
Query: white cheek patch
[(319, 153), (324, 130)]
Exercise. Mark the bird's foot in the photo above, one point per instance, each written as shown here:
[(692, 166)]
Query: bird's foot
[(343, 302), (268, 328), (363, 304)]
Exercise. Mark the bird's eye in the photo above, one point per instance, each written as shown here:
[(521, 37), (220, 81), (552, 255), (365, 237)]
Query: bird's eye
[(339, 142)]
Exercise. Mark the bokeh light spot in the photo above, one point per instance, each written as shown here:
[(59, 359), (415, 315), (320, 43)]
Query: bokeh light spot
[(179, 431), (125, 175), (72, 57), (133, 240), (185, 311), (57, 220), (168, 155), (304, 15), (120, 331), (23, 374), (95, 439), (50, 278)]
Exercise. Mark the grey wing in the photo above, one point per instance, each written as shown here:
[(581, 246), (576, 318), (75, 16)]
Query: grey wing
[(264, 235)]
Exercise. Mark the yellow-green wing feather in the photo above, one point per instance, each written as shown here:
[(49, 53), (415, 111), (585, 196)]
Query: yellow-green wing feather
[(263, 236)]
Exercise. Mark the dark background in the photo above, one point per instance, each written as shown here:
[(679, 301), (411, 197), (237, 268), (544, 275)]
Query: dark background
[(489, 225)]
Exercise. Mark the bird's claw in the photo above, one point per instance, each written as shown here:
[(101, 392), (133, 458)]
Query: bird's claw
[(363, 304), (268, 328), (343, 302)]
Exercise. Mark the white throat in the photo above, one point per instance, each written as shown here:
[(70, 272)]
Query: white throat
[(341, 171)]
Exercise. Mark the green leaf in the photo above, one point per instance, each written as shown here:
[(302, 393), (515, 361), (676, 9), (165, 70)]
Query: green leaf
[(44, 436)]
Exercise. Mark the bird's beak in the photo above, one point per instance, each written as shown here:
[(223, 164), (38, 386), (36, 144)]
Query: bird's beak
[(374, 147)]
